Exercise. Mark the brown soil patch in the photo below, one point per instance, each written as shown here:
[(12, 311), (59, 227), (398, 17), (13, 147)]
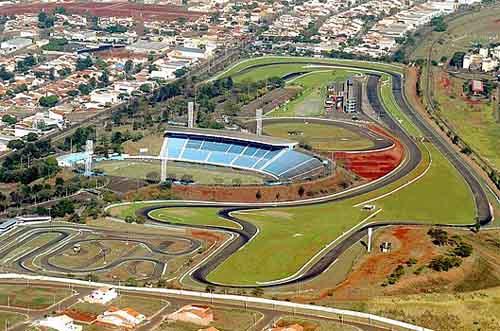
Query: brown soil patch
[(319, 187), (373, 269), (373, 165)]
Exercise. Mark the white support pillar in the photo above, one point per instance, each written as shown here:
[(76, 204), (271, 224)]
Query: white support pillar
[(258, 113), (163, 176), (370, 234), (190, 114), (89, 151)]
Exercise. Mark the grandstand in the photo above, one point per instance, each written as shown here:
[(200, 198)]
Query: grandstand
[(267, 155)]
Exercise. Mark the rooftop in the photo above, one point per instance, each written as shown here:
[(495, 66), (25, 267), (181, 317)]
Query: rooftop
[(231, 135)]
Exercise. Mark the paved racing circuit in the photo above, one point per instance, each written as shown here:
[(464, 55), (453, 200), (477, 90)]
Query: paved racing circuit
[(412, 159)]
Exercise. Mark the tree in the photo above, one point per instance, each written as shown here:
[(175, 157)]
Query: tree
[(9, 119), (146, 88), (84, 89), (258, 195), (4, 74), (129, 66), (48, 101), (30, 137), (130, 219), (16, 144), (83, 63), (301, 191)]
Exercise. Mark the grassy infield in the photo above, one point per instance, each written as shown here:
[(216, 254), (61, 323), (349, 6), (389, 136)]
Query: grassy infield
[(296, 234)]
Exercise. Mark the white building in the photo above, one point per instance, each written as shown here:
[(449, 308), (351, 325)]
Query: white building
[(489, 65), (191, 53), (126, 318), (59, 323), (102, 295), (13, 45), (104, 97)]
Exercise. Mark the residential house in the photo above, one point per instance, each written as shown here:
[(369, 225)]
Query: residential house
[(102, 295), (200, 315), (123, 318), (59, 323)]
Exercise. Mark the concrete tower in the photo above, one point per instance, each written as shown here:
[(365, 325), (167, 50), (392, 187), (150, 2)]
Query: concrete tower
[(258, 113)]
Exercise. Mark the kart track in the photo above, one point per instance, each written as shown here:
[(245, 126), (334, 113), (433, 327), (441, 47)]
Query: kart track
[(412, 159), (67, 237)]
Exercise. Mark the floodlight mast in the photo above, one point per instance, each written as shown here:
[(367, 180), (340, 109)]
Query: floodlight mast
[(89, 151)]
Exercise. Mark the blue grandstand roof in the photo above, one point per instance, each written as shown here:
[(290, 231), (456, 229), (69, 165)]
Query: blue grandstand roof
[(272, 141)]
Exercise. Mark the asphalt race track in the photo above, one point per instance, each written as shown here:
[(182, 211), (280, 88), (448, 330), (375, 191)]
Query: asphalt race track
[(63, 242), (412, 159)]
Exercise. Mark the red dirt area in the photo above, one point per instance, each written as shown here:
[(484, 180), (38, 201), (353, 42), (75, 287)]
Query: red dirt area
[(79, 316), (116, 9), (205, 235), (372, 270), (373, 165), (319, 187)]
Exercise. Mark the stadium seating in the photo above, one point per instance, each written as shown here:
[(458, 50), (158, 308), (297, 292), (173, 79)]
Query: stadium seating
[(280, 162)]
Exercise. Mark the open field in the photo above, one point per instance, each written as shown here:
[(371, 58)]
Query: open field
[(152, 142), (224, 320), (474, 122), (192, 216), (320, 137), (316, 325), (30, 297), (310, 101), (145, 306), (201, 174)]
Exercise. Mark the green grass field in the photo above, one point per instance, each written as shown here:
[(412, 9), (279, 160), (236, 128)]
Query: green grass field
[(145, 306), (310, 101), (476, 124), (297, 60), (308, 229), (30, 297), (208, 175), (391, 106), (322, 137), (192, 216)]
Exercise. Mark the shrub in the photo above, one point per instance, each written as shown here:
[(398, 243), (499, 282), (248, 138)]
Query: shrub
[(445, 263), (439, 236), (463, 250)]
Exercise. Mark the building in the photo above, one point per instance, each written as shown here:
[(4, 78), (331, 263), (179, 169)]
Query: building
[(199, 315), (477, 87), (8, 225), (14, 45), (191, 53), (104, 97), (352, 95), (143, 46), (122, 318), (102, 295), (59, 323)]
